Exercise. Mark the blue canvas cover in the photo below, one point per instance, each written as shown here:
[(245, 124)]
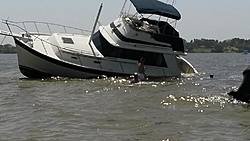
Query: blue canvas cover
[(156, 7)]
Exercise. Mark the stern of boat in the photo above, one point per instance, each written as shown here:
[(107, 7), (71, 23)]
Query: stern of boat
[(185, 66)]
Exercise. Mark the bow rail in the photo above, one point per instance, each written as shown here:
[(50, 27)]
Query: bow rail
[(35, 29), (42, 27)]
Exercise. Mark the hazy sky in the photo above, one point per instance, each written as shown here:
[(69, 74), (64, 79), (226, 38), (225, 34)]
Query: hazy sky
[(210, 19)]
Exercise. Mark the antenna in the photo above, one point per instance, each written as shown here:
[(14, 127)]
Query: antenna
[(174, 2), (3, 40), (123, 7), (91, 36)]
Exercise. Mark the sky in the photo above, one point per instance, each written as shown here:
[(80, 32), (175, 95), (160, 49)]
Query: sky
[(209, 19)]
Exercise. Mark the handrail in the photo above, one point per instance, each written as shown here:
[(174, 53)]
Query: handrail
[(48, 24), (101, 26), (78, 51), (23, 27)]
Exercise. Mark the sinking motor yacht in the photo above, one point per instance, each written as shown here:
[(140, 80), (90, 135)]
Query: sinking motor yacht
[(112, 50)]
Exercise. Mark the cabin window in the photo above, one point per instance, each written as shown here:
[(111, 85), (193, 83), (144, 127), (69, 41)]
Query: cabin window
[(152, 59), (67, 40)]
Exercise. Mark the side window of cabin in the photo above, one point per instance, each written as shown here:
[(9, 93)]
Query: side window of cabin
[(154, 59)]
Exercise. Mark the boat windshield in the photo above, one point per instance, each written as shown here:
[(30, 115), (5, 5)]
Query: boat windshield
[(151, 26)]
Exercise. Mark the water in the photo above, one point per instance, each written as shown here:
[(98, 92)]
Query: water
[(192, 107)]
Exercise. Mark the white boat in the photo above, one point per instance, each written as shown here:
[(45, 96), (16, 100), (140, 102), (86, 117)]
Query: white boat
[(112, 50)]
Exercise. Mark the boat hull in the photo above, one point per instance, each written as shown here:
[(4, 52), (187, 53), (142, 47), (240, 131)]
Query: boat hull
[(34, 64)]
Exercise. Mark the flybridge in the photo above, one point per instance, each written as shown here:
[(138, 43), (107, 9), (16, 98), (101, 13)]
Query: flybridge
[(156, 7)]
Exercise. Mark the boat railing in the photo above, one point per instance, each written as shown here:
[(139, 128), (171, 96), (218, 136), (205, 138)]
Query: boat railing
[(35, 29), (44, 27), (101, 26), (78, 52)]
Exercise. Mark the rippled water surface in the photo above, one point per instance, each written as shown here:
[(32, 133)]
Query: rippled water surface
[(191, 107)]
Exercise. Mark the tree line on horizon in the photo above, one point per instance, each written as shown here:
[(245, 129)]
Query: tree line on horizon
[(7, 49), (218, 46), (214, 45)]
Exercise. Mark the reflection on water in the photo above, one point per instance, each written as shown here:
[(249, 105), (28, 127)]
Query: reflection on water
[(201, 102), (190, 107)]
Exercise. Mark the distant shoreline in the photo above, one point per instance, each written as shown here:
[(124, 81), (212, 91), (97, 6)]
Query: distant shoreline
[(7, 49), (234, 45)]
